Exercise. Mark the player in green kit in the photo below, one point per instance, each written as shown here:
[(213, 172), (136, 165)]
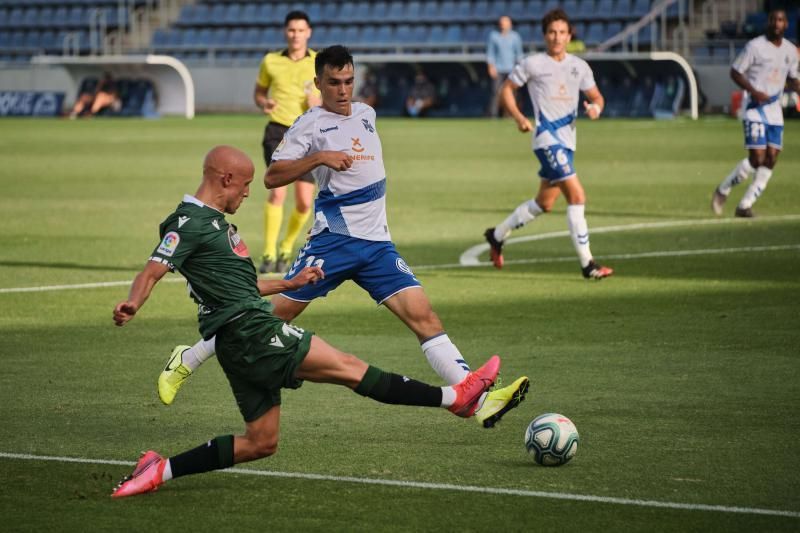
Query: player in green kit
[(259, 353)]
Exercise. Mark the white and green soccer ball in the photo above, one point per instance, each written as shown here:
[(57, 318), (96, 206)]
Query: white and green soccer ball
[(552, 439)]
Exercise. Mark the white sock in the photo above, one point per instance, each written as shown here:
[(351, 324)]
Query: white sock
[(167, 475), (524, 213), (448, 396), (579, 232), (763, 174), (199, 353), (737, 176), (445, 359)]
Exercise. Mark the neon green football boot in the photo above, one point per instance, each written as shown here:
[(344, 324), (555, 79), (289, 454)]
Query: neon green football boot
[(173, 376), (499, 401)]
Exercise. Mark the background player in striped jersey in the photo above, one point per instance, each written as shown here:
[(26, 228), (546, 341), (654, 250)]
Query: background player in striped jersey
[(555, 80), (762, 69)]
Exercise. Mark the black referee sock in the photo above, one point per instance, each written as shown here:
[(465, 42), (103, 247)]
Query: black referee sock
[(216, 454), (395, 389)]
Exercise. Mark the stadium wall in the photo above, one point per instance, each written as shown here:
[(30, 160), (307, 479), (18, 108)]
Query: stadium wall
[(230, 88)]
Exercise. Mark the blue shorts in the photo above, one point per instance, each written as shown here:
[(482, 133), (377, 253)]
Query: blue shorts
[(374, 265), (557, 163), (758, 135)]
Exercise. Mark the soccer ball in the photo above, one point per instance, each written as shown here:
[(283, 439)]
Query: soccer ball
[(552, 439)]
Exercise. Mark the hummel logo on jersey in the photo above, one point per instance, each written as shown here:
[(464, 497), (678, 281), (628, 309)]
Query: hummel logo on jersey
[(275, 341), (215, 223), (326, 130), (182, 221), (367, 126)]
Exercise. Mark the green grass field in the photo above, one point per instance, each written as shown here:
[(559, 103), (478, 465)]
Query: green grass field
[(680, 372)]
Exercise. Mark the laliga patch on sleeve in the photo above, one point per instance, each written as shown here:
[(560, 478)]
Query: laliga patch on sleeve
[(169, 244)]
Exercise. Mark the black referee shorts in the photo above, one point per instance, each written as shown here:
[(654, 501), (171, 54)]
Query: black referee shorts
[(273, 135)]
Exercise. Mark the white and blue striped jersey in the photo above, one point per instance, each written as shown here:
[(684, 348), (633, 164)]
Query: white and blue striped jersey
[(766, 67), (352, 202), (554, 88)]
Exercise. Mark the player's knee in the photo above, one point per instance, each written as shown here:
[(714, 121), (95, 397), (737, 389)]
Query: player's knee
[(545, 206), (266, 447)]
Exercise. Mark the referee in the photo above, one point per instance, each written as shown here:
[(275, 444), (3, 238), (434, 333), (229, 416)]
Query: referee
[(284, 91)]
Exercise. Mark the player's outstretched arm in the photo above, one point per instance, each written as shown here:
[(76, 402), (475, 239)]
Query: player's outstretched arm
[(594, 107), (285, 171), (510, 104), (141, 288), (267, 287)]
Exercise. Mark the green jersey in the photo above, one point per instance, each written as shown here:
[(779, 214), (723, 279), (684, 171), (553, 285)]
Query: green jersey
[(197, 241)]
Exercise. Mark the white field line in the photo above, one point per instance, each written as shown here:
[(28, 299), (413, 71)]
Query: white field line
[(445, 486), (470, 256)]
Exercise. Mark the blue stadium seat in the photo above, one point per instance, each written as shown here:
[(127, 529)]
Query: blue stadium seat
[(452, 33), (594, 33), (448, 11), (160, 38), (396, 12), (216, 15), (535, 9), (571, 7), (5, 39), (436, 33), (187, 16), (517, 10), (419, 33), (263, 14), (379, 12), (77, 17), (188, 37), (586, 10), (233, 14), (236, 36), (604, 9), (273, 37), (31, 40), (526, 31), (369, 34), (579, 30), (413, 11), (430, 11), (4, 13), (385, 34), (646, 35), (351, 35), (30, 18), (219, 37), (499, 8), (346, 12), (250, 37), (319, 38), (48, 41), (623, 9), (15, 18), (402, 33), (612, 28), (330, 11), (480, 11), (641, 8), (473, 33), (314, 12)]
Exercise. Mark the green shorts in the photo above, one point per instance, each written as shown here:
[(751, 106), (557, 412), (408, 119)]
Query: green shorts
[(260, 354)]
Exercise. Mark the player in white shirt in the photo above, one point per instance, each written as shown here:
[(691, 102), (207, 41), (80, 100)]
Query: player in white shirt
[(762, 70), (555, 80), (339, 144)]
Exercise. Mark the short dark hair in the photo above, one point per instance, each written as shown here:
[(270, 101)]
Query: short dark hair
[(554, 15), (296, 15), (336, 56)]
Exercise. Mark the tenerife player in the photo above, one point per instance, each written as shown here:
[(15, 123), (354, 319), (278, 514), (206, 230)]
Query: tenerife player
[(554, 79), (762, 70), (259, 353), (339, 144)]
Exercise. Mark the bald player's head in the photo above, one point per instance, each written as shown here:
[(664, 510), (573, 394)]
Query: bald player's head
[(228, 172)]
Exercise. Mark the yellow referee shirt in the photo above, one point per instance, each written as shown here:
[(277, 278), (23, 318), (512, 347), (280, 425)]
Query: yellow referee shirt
[(289, 82)]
